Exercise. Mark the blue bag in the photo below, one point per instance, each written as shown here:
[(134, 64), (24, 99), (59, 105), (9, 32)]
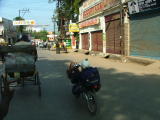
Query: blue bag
[(91, 76)]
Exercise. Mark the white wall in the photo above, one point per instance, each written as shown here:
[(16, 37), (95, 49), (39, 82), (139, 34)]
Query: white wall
[(89, 29)]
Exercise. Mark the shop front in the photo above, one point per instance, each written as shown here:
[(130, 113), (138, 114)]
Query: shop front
[(85, 41), (91, 35), (113, 34), (97, 41), (144, 30)]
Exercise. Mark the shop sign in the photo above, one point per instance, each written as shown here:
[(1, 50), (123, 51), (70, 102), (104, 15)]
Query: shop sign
[(90, 22), (110, 3), (93, 10), (73, 27), (24, 22), (137, 6), (99, 7), (148, 4), (68, 43)]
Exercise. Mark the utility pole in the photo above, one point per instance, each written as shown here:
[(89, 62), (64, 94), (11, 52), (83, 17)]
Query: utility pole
[(121, 27), (24, 11), (54, 20)]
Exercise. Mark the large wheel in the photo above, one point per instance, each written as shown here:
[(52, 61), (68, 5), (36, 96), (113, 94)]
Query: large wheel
[(91, 103), (38, 83), (4, 85)]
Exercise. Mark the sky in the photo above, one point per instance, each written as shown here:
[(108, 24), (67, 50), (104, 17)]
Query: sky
[(39, 10)]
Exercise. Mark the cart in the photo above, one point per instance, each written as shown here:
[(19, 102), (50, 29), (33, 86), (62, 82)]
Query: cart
[(17, 74)]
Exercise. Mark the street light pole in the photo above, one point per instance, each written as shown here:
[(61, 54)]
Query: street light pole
[(54, 20)]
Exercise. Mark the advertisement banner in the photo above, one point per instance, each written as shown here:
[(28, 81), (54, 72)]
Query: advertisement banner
[(90, 22), (73, 27), (24, 22), (68, 43), (137, 6), (147, 4), (133, 7)]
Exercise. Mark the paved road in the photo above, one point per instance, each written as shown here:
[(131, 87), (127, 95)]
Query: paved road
[(124, 95)]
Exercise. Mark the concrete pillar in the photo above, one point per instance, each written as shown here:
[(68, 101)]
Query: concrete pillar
[(126, 35), (90, 41), (80, 41), (103, 27)]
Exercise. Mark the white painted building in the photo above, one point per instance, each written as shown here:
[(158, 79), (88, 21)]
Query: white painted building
[(34, 28), (7, 30), (100, 26)]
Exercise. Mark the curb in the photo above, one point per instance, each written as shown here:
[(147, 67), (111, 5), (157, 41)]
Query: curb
[(124, 59)]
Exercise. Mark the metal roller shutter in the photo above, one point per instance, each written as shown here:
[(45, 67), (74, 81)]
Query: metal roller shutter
[(145, 36), (85, 41), (97, 41), (113, 29)]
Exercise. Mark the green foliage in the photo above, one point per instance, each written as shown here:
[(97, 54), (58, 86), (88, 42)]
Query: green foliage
[(68, 9), (18, 18), (40, 35), (21, 27)]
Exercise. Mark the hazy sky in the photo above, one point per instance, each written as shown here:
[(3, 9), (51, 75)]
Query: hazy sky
[(39, 10)]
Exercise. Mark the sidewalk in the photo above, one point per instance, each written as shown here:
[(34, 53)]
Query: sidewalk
[(130, 64)]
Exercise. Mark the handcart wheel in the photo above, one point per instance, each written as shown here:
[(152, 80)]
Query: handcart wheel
[(36, 77), (37, 82), (4, 85)]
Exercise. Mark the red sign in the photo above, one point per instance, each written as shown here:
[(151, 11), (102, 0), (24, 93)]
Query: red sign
[(93, 10), (89, 23), (99, 7)]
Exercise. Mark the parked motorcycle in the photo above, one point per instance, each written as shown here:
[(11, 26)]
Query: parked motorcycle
[(86, 82)]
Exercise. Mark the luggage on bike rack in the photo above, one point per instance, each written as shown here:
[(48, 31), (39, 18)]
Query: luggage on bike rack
[(91, 78), (19, 62)]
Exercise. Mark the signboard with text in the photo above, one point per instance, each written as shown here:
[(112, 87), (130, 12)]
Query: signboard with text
[(137, 6), (73, 27), (68, 43), (90, 22), (24, 22)]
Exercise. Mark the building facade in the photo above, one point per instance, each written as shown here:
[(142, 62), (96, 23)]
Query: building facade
[(7, 31), (144, 28), (100, 26), (123, 27)]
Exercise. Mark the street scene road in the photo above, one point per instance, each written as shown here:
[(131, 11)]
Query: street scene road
[(116, 42), (129, 91)]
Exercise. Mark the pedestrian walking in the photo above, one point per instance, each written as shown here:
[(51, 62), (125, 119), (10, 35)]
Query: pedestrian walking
[(65, 46), (57, 48)]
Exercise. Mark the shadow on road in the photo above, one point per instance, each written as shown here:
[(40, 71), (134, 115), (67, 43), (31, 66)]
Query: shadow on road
[(126, 96), (123, 96), (4, 104)]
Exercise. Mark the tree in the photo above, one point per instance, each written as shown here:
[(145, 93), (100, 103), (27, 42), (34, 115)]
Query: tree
[(21, 27), (40, 35), (66, 10)]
